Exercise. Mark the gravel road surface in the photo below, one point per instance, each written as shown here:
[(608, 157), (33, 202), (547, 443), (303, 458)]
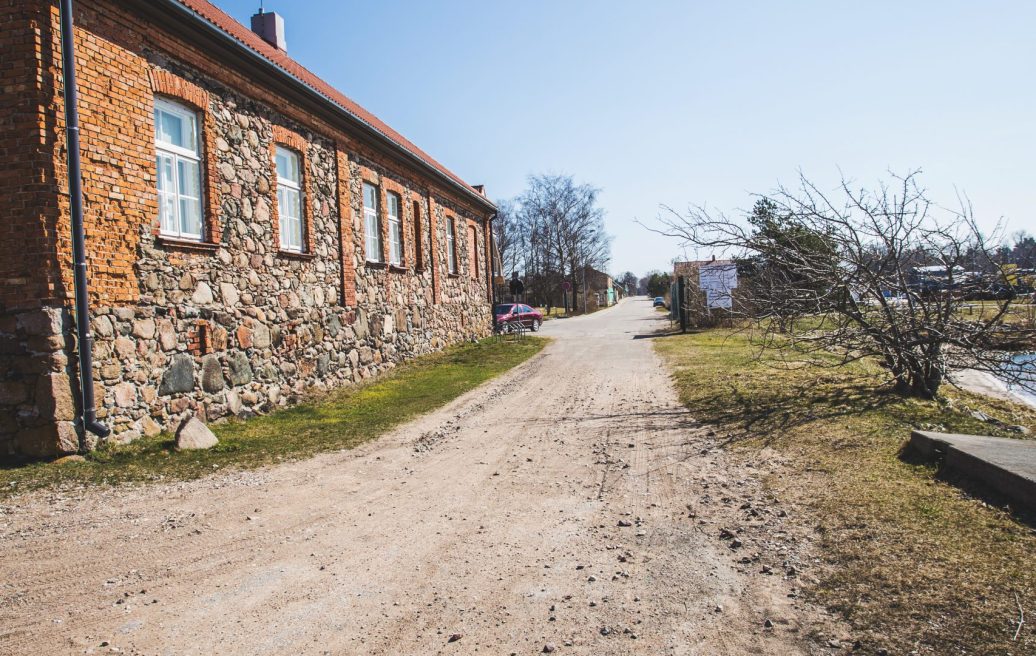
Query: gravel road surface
[(571, 506)]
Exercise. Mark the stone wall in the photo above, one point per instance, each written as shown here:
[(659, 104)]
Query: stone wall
[(230, 326)]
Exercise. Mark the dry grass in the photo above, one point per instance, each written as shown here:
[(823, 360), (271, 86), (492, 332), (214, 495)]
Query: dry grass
[(912, 562)]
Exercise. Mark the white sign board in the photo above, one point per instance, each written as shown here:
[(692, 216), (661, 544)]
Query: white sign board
[(718, 280)]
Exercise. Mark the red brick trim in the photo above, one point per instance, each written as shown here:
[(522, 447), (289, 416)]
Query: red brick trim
[(289, 138), (213, 226), (416, 225), (345, 222), (167, 84), (472, 237), (282, 136), (433, 256), (489, 260)]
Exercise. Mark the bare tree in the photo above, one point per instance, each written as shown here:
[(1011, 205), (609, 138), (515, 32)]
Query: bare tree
[(507, 237), (554, 230), (882, 274), (629, 281)]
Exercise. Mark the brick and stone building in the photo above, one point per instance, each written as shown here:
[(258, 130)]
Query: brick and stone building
[(252, 234)]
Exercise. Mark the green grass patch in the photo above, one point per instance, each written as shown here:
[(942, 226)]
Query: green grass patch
[(342, 419), (912, 562)]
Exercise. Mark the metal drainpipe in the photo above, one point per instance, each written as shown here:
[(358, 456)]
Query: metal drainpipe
[(489, 274), (85, 338)]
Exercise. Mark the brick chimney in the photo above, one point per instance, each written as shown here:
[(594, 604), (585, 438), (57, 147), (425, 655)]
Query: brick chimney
[(270, 26)]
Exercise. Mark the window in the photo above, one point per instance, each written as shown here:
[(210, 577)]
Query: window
[(178, 160), (372, 222), (289, 199), (418, 256), (395, 226), (451, 244), (473, 251)]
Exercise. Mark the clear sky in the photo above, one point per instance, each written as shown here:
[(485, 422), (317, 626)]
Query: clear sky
[(681, 101)]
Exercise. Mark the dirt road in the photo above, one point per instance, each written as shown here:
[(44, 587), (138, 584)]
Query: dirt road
[(571, 503)]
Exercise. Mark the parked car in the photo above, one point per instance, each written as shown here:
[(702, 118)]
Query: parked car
[(508, 313), (658, 302)]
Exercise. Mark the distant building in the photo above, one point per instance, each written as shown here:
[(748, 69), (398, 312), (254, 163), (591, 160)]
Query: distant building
[(600, 289)]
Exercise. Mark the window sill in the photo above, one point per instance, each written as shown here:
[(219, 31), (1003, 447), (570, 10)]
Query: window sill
[(376, 265), (296, 255), (453, 275), (186, 244), (396, 268)]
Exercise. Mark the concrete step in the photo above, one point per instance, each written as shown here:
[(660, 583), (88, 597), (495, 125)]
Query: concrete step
[(1007, 466)]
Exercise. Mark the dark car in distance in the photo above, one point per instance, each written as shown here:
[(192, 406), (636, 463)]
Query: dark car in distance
[(658, 302), (509, 313)]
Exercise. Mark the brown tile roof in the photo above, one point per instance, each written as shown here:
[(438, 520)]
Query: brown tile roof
[(253, 41)]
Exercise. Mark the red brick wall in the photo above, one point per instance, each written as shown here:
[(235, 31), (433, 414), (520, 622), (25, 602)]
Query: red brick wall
[(28, 140)]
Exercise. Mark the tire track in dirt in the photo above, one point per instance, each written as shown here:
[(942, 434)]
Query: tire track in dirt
[(496, 518)]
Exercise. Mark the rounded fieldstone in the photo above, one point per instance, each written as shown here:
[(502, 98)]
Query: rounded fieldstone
[(211, 374), (202, 294), (261, 336), (179, 377), (239, 369)]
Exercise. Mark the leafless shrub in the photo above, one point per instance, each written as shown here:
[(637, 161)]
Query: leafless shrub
[(831, 278)]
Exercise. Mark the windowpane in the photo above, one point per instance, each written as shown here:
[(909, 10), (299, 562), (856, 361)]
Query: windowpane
[(190, 217), (167, 194), (289, 207), (175, 128), (189, 178), (451, 244), (371, 222), (373, 239), (288, 166)]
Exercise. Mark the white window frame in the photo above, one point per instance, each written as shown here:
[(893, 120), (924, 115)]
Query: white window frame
[(372, 225), (395, 228), (451, 244), (292, 229), (177, 154)]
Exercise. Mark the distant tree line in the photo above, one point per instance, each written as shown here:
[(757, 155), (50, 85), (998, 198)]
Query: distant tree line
[(552, 233)]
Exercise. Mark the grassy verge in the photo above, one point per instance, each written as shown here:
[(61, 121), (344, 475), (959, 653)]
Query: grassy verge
[(339, 420), (914, 564)]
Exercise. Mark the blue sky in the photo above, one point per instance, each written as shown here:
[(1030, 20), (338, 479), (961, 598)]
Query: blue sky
[(681, 101)]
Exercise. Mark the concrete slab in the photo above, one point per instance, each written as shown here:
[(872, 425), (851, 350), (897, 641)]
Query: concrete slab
[(1005, 465)]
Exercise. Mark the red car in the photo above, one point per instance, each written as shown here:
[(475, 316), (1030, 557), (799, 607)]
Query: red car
[(508, 313)]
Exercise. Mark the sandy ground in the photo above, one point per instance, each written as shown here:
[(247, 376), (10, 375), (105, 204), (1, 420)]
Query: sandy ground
[(570, 504)]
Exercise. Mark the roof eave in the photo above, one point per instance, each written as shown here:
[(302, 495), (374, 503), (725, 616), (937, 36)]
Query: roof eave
[(284, 82)]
